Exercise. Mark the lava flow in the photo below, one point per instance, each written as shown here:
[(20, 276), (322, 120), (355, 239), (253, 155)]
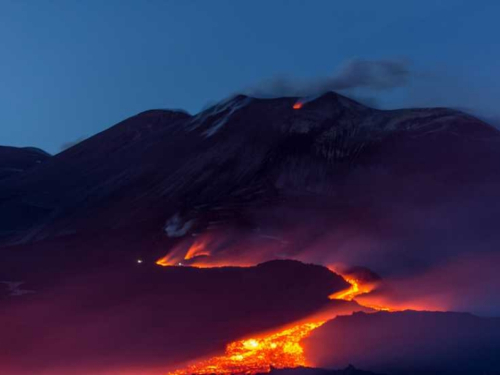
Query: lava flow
[(254, 355), (356, 289), (279, 350), (258, 355)]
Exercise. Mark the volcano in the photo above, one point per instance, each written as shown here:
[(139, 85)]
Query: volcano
[(170, 174), (170, 238)]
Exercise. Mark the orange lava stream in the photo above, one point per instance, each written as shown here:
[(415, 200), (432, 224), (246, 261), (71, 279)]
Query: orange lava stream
[(356, 289), (254, 355), (257, 355), (279, 350)]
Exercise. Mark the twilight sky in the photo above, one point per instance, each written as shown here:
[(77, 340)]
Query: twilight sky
[(69, 69)]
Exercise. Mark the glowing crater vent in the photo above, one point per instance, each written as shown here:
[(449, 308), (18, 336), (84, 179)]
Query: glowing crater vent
[(257, 355)]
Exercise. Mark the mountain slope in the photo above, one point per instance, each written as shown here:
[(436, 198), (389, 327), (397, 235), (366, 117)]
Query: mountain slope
[(14, 160), (409, 342)]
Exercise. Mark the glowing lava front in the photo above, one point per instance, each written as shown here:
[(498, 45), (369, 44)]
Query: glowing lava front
[(254, 355), (298, 105), (356, 289)]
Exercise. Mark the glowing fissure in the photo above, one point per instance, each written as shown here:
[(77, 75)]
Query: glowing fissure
[(259, 354)]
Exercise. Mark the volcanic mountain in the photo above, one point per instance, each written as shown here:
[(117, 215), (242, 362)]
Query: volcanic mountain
[(257, 179), (397, 198)]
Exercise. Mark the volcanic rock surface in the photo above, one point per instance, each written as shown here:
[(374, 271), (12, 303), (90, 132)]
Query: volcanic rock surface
[(349, 370), (409, 342)]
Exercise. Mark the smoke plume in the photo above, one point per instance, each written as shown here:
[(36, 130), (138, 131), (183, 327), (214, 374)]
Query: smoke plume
[(356, 73), (372, 83)]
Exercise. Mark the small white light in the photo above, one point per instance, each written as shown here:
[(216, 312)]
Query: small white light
[(139, 261), (180, 264)]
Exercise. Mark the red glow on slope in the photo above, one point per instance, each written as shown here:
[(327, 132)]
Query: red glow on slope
[(298, 105), (166, 261), (197, 249)]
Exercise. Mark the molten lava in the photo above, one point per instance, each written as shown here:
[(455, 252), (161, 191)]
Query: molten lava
[(298, 105), (279, 350), (258, 355), (356, 289), (254, 355)]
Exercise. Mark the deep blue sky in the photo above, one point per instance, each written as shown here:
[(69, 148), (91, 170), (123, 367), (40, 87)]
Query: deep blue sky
[(69, 69)]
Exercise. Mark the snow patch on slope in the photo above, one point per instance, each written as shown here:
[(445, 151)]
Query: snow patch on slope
[(221, 113)]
